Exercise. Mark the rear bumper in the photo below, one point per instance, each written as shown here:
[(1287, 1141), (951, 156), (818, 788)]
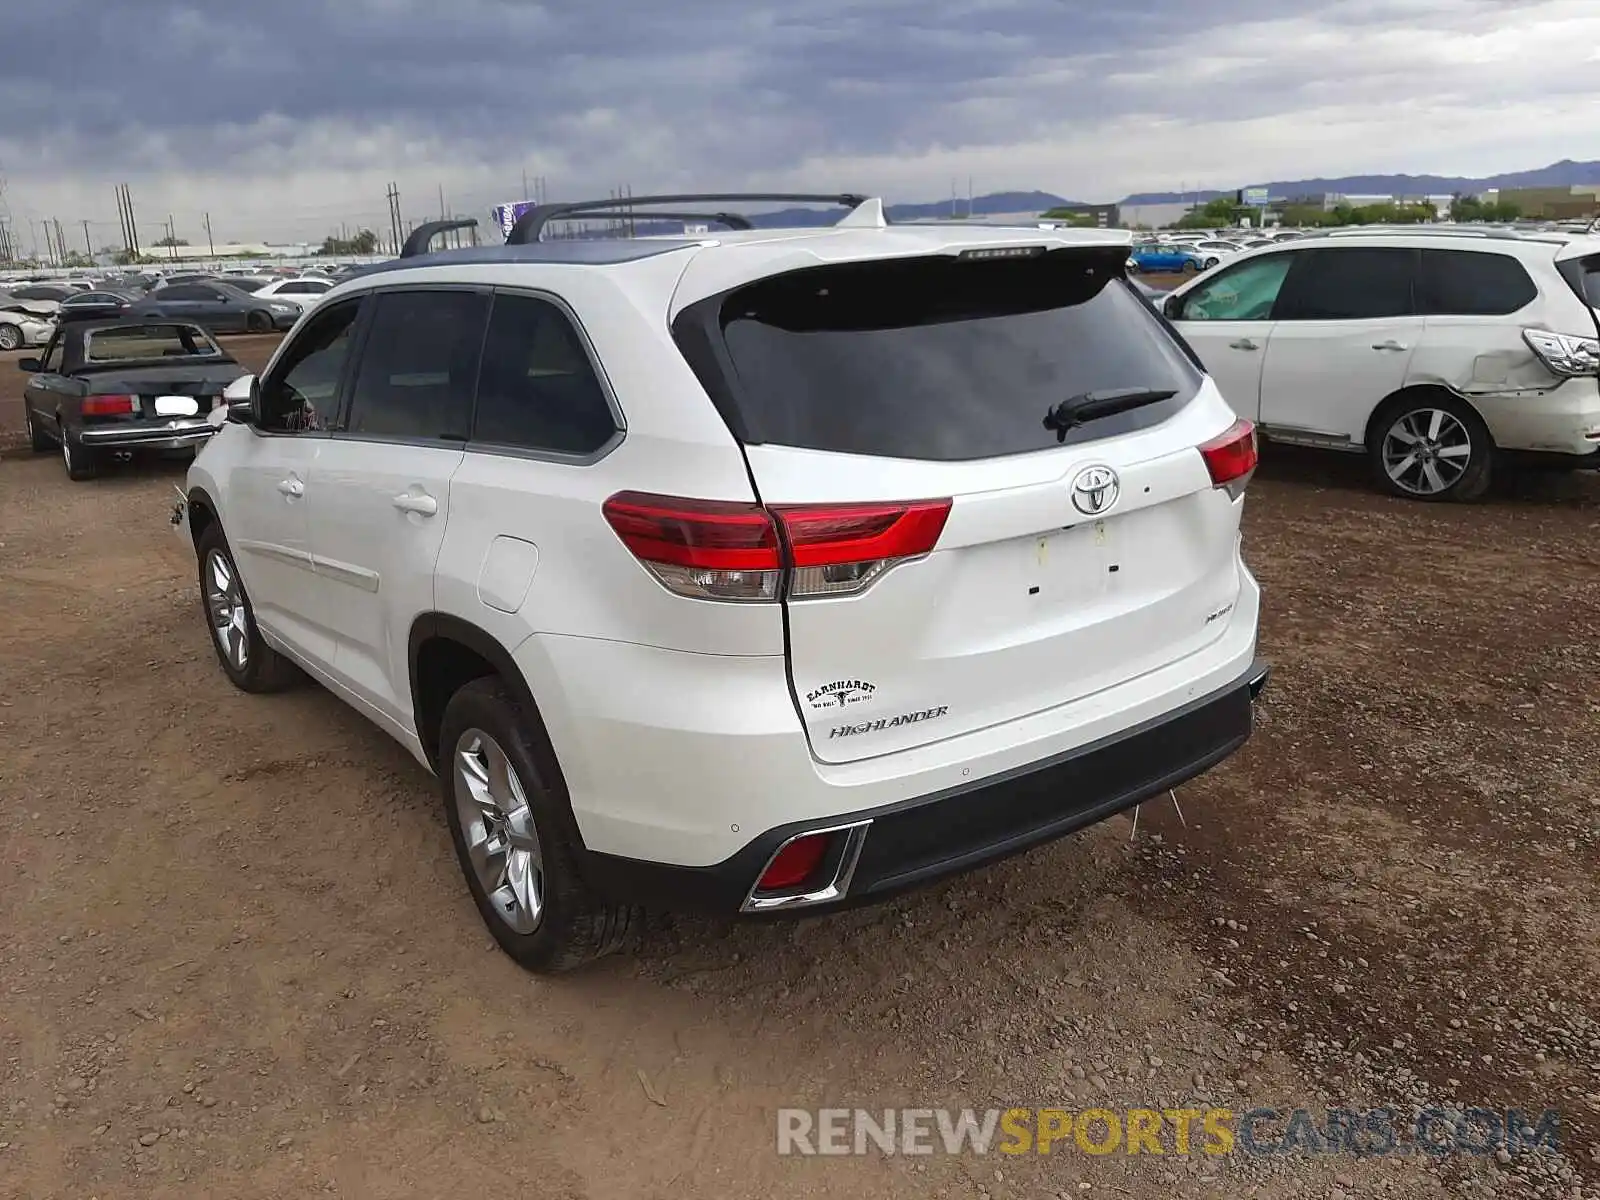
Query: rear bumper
[(881, 851), (148, 435), (1561, 423)]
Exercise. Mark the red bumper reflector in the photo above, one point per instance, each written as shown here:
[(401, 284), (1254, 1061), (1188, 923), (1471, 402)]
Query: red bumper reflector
[(794, 864)]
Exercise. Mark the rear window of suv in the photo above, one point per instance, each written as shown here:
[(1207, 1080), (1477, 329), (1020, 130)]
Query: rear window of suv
[(933, 358), (1472, 283)]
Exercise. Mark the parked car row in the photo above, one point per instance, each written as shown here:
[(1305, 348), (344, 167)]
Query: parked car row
[(233, 301)]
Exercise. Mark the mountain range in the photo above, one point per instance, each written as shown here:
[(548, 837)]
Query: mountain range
[(1562, 174)]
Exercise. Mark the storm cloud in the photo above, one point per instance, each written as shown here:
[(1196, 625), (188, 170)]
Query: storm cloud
[(285, 119)]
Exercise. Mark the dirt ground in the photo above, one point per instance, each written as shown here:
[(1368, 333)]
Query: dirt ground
[(237, 960)]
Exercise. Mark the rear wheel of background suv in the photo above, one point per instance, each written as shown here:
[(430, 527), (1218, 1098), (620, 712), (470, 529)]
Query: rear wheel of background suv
[(1430, 446), (520, 865)]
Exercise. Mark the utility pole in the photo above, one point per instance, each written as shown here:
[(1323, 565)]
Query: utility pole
[(442, 216), (88, 246), (395, 221), (49, 250), (133, 225), (122, 220), (172, 238), (61, 241), (210, 244)]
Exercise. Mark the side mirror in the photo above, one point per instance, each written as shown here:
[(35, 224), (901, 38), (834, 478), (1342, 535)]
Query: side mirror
[(31, 365), (241, 400), (1171, 307)]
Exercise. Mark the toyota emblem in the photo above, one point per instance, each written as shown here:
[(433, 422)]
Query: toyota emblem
[(1094, 490)]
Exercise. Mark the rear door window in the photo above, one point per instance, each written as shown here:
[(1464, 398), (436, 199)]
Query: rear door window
[(1472, 283), (538, 389), (419, 363), (934, 358), (1352, 283)]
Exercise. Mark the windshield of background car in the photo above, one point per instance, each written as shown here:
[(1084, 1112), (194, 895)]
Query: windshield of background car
[(137, 343), (941, 358), (246, 284)]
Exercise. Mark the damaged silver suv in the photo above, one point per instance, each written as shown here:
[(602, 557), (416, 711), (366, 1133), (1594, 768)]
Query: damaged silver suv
[(1436, 352)]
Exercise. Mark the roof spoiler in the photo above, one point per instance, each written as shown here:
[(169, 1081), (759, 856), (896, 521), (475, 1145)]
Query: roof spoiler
[(532, 223), (420, 238)]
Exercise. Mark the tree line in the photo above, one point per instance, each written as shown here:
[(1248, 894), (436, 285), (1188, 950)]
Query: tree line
[(1224, 211)]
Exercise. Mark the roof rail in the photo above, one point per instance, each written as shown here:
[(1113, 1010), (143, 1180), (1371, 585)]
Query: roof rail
[(1479, 232), (420, 238), (731, 219), (531, 223)]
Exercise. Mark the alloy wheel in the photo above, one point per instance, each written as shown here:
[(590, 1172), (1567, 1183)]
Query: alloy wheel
[(230, 620), (497, 827), (1426, 451)]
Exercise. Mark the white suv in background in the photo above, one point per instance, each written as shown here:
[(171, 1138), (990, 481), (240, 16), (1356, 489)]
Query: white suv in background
[(1433, 352), (754, 572)]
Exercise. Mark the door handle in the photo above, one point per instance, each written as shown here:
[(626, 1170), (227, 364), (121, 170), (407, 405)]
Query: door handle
[(291, 487), (423, 505), (1391, 344), (1244, 344)]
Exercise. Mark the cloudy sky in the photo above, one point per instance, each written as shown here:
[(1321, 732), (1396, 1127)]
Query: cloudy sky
[(284, 118)]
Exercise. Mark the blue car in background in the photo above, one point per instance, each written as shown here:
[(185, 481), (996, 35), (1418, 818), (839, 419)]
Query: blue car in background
[(1164, 258)]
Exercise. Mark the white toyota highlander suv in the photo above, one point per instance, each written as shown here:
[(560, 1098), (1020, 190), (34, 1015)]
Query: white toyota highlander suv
[(1436, 352), (758, 572)]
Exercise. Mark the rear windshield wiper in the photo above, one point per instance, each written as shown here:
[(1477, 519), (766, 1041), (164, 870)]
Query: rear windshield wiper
[(1091, 406)]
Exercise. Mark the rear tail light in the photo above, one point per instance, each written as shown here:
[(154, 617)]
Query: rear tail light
[(839, 549), (109, 406), (1564, 353), (1231, 457), (721, 550)]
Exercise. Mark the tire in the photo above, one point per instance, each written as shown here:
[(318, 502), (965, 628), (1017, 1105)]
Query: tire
[(565, 926), (10, 337), (1211, 262), (81, 462), (38, 440), (1458, 458), (262, 668), (1190, 267), (258, 322)]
